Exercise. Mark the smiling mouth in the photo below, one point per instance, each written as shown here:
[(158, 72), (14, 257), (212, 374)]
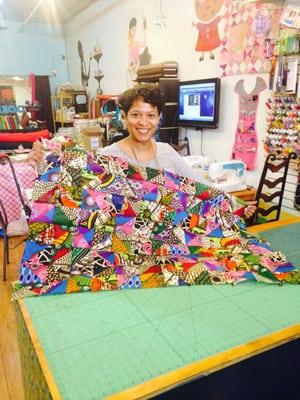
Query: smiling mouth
[(143, 131)]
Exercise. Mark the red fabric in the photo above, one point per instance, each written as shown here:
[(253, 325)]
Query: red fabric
[(24, 137)]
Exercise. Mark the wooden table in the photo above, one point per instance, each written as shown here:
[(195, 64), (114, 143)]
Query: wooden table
[(134, 344), (247, 194)]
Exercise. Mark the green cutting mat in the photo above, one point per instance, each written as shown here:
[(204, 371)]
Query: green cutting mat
[(101, 343), (286, 239)]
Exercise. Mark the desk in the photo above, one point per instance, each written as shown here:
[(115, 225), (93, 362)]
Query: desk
[(136, 343), (246, 194)]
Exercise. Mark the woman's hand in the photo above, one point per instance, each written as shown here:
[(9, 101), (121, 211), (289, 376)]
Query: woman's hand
[(250, 209)]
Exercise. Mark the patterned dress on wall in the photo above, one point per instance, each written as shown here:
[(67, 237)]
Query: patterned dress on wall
[(245, 145)]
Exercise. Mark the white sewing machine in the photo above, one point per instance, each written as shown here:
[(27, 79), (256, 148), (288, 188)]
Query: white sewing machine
[(198, 162), (228, 175)]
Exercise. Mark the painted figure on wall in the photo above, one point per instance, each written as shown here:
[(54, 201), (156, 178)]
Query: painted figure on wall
[(85, 73), (208, 34), (138, 53)]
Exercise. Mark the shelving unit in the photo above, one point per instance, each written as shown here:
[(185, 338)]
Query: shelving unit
[(165, 75), (169, 126), (60, 119), (283, 111)]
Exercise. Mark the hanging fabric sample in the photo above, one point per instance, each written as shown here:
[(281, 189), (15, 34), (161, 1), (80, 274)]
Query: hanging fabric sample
[(98, 223), (245, 145), (246, 26)]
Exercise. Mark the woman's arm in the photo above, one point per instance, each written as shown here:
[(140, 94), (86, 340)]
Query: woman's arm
[(179, 165)]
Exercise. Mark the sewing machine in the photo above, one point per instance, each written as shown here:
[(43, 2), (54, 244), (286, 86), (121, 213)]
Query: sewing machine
[(198, 161), (227, 175)]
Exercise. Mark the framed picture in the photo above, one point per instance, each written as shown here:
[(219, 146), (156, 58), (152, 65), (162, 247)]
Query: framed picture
[(7, 95)]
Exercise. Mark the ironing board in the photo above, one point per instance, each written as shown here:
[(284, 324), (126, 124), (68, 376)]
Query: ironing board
[(134, 344)]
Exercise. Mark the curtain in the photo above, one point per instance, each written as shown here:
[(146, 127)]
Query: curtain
[(43, 96)]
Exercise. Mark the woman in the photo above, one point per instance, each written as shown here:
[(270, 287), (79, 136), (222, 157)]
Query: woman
[(141, 107)]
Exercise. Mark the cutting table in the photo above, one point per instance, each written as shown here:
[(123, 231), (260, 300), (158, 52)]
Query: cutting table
[(134, 344)]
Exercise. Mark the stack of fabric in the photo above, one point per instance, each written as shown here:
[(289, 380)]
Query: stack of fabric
[(9, 122), (94, 108), (99, 223), (153, 72)]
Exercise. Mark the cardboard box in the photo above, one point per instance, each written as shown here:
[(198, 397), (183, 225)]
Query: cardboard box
[(92, 138)]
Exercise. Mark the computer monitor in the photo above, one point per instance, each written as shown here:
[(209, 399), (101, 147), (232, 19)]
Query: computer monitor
[(199, 103)]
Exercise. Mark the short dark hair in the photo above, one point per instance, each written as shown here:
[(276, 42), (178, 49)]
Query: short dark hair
[(147, 92), (132, 22)]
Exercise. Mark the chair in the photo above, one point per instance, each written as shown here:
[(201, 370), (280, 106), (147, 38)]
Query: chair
[(270, 190), (4, 221), (183, 144), (3, 234), (297, 193)]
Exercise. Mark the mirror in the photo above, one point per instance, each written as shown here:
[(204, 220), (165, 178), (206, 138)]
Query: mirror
[(15, 91)]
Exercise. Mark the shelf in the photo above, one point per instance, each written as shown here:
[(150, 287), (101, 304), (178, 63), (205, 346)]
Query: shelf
[(58, 102), (58, 121)]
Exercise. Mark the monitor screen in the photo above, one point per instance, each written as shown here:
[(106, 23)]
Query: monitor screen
[(199, 103)]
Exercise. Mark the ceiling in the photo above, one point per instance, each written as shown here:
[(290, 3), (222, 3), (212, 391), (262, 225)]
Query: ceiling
[(41, 11)]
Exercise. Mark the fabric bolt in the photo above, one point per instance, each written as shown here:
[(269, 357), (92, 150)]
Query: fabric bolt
[(245, 145), (134, 227)]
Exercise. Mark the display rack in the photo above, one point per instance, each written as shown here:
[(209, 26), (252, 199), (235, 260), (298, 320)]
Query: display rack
[(283, 124), (62, 103), (283, 111), (59, 102), (169, 126)]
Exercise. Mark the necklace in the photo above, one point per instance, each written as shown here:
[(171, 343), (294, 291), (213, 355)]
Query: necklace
[(141, 163)]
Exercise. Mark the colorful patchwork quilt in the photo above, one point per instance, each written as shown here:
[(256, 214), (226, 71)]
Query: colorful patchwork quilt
[(99, 223)]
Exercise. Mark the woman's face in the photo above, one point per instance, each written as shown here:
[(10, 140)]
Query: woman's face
[(133, 31), (142, 121), (207, 9)]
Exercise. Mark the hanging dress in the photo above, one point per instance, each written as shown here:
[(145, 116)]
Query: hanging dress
[(245, 145)]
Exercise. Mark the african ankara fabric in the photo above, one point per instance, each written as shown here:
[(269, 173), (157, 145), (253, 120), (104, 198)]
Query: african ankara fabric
[(98, 223)]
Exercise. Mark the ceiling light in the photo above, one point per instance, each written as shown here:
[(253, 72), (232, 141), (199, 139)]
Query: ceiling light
[(31, 13)]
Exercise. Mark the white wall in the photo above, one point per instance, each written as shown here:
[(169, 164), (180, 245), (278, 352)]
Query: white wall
[(107, 21)]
